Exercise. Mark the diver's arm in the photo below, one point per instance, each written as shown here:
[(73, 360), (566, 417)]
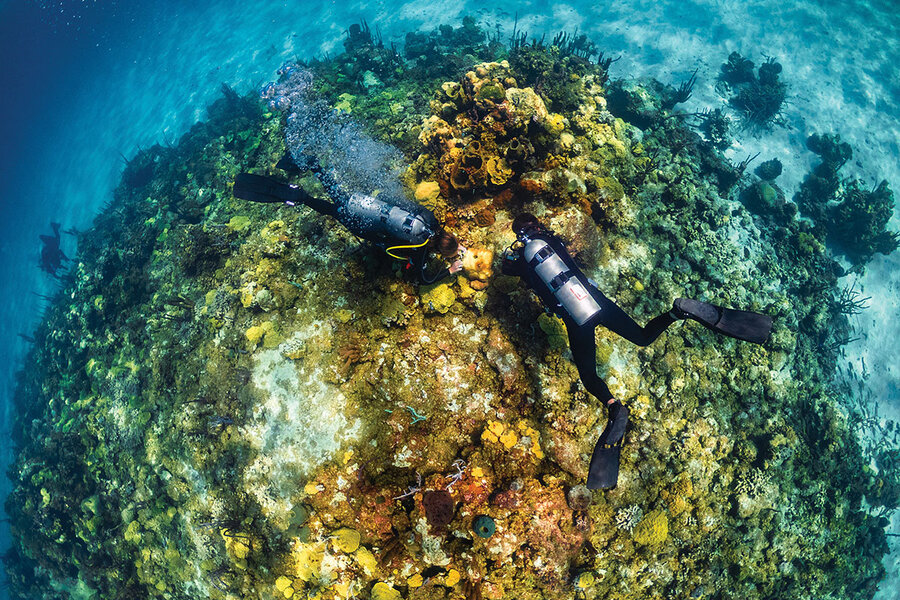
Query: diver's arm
[(513, 264), (420, 263)]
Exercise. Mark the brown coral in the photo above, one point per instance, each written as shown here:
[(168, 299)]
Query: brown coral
[(352, 352), (439, 507), (486, 216)]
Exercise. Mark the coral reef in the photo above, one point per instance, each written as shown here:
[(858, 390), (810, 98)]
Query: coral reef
[(758, 96), (230, 400), (847, 214)]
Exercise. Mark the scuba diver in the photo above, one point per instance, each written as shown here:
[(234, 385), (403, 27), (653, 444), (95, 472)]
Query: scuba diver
[(394, 225), (540, 258), (52, 256)]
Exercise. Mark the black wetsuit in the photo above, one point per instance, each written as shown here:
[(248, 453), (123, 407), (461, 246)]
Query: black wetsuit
[(368, 224), (581, 337), (52, 256)]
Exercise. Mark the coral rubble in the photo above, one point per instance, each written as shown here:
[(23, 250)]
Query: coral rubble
[(240, 401)]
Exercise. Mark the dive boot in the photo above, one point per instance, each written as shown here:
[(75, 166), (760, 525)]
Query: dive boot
[(740, 324), (604, 470)]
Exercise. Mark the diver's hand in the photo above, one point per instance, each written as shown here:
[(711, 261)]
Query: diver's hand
[(456, 267)]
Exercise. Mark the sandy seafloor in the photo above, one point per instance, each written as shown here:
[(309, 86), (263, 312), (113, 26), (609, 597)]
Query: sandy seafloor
[(110, 77)]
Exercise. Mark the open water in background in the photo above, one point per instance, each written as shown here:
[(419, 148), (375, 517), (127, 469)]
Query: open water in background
[(85, 81)]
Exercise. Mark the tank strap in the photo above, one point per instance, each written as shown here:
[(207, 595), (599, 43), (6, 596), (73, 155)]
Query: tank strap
[(541, 255), (559, 281)]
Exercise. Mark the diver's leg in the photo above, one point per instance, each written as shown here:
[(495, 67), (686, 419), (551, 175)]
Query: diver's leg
[(324, 207), (257, 188), (584, 354), (603, 472), (615, 319)]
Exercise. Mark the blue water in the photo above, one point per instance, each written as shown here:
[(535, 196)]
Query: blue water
[(85, 83)]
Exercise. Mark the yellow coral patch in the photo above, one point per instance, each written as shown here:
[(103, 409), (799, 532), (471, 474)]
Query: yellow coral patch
[(383, 591), (366, 560), (584, 580), (498, 170), (346, 540), (465, 290), (438, 297), (311, 488), (282, 583), (254, 334), (246, 298), (257, 332), (452, 578), (308, 560), (478, 262), (240, 550), (477, 472), (238, 223), (652, 530), (509, 439), (132, 532), (555, 123), (427, 191), (345, 103), (415, 581)]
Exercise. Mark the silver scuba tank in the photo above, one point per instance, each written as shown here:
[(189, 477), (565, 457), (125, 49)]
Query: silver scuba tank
[(561, 281), (366, 214)]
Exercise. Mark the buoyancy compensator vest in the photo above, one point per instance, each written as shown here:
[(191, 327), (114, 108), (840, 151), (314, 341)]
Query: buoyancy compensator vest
[(383, 222), (560, 280)]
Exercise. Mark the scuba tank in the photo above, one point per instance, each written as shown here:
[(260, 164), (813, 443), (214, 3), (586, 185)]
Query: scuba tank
[(560, 280), (366, 215)]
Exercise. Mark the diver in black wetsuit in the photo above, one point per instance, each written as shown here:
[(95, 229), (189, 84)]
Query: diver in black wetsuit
[(403, 229), (52, 256), (540, 258)]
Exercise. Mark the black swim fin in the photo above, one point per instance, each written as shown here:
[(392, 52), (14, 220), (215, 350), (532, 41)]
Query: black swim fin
[(604, 470), (257, 188), (740, 324)]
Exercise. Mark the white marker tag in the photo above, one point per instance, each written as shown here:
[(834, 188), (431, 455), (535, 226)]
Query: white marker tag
[(579, 292)]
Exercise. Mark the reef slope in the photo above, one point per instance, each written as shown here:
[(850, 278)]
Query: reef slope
[(229, 400)]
